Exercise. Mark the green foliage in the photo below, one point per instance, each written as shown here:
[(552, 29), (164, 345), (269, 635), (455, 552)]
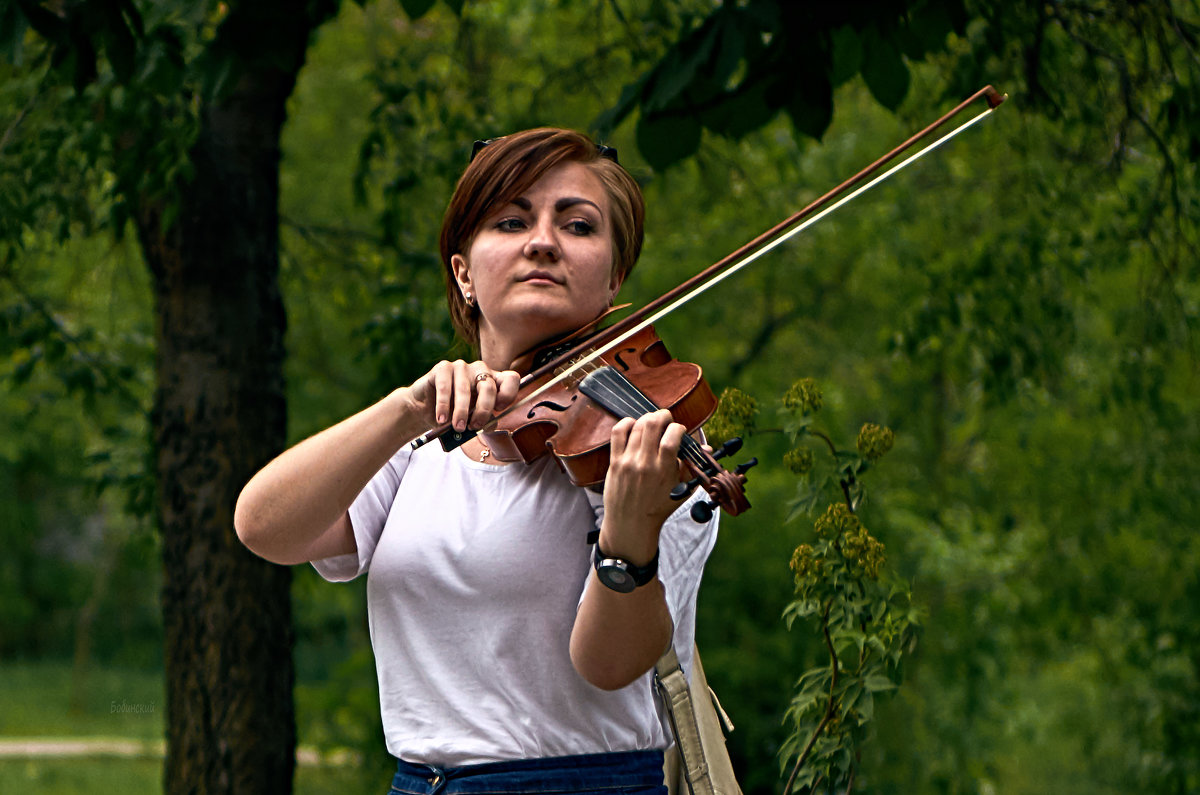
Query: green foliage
[(74, 463), (106, 113), (861, 612), (735, 415), (737, 65)]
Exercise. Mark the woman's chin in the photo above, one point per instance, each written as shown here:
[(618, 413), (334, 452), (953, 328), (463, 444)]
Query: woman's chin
[(546, 320)]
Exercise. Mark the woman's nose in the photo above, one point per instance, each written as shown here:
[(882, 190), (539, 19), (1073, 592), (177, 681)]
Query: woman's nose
[(542, 242)]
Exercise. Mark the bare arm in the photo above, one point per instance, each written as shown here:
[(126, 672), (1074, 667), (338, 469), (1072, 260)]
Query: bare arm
[(618, 637), (295, 509)]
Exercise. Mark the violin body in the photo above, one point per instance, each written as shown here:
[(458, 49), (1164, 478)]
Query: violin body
[(573, 419), (576, 429)]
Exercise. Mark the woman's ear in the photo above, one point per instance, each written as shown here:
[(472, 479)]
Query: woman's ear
[(614, 286), (462, 273)]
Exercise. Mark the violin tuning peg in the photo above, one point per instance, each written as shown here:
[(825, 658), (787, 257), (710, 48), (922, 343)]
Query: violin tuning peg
[(702, 512), (729, 448), (742, 469), (681, 490)]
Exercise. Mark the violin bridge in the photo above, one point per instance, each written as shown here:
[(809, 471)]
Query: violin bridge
[(576, 370)]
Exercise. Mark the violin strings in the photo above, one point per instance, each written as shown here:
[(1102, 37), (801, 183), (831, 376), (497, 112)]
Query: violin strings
[(619, 395)]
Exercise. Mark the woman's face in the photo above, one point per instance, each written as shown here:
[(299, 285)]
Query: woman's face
[(541, 266)]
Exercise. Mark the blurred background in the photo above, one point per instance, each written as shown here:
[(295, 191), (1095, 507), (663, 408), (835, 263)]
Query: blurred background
[(1020, 307)]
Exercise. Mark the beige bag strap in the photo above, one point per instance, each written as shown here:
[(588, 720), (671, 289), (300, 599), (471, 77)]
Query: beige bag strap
[(702, 765)]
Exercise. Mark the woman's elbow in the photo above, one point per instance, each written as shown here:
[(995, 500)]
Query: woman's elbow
[(250, 530), (604, 671)]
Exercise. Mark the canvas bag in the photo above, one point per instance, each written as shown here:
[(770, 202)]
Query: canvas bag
[(698, 763)]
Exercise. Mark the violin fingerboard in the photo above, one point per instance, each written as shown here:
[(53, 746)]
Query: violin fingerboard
[(617, 395)]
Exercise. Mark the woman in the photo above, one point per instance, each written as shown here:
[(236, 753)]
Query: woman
[(504, 662)]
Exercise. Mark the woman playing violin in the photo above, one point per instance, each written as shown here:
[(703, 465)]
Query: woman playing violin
[(503, 659)]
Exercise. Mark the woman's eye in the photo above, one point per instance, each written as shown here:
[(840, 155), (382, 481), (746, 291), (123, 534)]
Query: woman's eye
[(510, 224), (579, 227)]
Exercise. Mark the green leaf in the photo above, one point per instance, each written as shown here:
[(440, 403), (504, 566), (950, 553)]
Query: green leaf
[(849, 638), (121, 48), (739, 112), (163, 57), (884, 70), (677, 70), (847, 55), (877, 683), (667, 139), (731, 36), (865, 707), (44, 22), (13, 25), (607, 121), (415, 9), (927, 31)]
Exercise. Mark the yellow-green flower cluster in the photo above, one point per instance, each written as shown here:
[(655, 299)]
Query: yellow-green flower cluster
[(805, 564), (799, 460), (874, 440), (863, 552), (803, 397), (734, 416), (838, 520)]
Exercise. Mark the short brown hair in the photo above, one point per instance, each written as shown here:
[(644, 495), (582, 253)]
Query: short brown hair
[(504, 169)]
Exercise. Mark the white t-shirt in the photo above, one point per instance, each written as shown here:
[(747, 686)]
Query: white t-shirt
[(475, 575)]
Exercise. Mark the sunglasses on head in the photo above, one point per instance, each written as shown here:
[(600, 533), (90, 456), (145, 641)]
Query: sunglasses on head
[(607, 152)]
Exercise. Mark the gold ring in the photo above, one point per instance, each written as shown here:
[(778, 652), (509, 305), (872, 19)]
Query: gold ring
[(482, 376)]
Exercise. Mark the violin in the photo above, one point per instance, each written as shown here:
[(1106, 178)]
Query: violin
[(578, 388), (573, 418)]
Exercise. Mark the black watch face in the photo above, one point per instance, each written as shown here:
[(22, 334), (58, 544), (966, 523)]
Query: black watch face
[(616, 577)]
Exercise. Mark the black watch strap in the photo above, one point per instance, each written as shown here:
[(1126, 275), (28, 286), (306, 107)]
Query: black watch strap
[(621, 575)]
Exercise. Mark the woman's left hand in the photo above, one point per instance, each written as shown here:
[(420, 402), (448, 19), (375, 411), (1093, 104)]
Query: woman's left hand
[(618, 636), (642, 470)]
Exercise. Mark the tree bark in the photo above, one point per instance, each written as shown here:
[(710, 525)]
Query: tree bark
[(220, 414)]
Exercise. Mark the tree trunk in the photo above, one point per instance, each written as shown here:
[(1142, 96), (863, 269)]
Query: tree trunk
[(220, 414)]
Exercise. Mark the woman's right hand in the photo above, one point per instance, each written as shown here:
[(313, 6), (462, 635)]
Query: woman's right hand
[(463, 394), (295, 508)]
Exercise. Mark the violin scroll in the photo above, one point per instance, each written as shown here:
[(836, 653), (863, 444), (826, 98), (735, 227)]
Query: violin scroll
[(730, 447), (726, 489), (728, 492)]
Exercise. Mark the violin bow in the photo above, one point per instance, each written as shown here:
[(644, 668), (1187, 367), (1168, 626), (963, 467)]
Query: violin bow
[(570, 362)]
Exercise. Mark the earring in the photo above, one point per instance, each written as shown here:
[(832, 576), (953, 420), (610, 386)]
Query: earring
[(470, 300)]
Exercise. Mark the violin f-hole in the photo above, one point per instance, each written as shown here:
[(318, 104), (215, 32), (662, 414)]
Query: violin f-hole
[(550, 404), (622, 362)]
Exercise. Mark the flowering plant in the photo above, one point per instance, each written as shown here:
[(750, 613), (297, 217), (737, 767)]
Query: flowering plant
[(862, 613)]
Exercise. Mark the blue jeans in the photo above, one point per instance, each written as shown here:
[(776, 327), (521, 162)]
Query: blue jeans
[(624, 773)]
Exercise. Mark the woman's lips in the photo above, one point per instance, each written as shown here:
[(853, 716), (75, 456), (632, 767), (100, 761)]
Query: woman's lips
[(542, 277)]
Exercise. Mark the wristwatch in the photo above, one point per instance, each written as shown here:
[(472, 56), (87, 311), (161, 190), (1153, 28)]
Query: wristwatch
[(621, 575)]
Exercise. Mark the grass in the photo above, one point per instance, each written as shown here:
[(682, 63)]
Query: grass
[(41, 700), (96, 776), (36, 701)]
